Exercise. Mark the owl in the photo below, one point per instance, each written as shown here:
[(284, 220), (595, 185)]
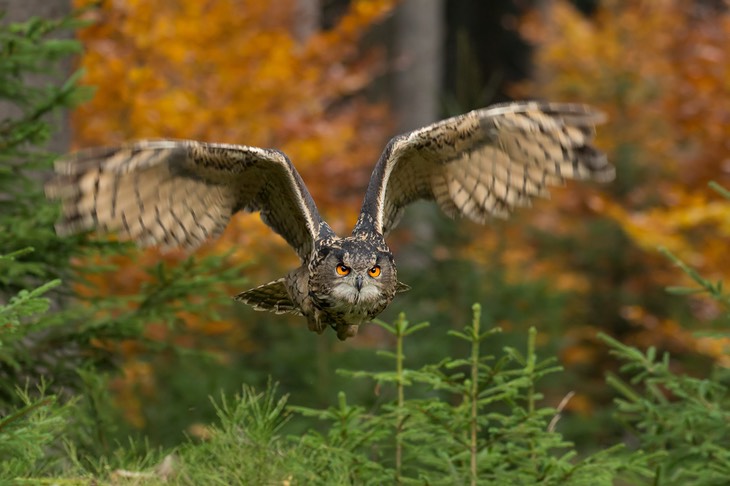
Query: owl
[(178, 193)]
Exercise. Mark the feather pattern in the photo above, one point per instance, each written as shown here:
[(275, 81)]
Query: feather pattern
[(181, 193), (485, 163)]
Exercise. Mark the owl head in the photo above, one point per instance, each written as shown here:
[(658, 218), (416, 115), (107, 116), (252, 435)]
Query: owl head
[(353, 272)]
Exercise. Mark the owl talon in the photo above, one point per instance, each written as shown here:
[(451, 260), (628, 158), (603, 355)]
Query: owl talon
[(316, 326), (347, 331)]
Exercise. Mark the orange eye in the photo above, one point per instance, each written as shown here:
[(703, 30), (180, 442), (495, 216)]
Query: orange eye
[(342, 269), (374, 272)]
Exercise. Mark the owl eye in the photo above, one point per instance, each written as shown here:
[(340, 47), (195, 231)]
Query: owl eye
[(374, 272), (342, 269)]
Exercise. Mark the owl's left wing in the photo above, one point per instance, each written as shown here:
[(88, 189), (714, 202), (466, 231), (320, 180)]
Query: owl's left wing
[(485, 163), (182, 192)]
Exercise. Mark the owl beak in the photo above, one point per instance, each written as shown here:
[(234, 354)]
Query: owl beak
[(358, 283)]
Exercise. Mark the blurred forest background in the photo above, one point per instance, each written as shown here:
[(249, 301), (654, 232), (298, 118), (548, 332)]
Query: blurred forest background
[(329, 82)]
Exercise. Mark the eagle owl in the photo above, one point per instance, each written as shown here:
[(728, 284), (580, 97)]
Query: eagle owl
[(180, 193)]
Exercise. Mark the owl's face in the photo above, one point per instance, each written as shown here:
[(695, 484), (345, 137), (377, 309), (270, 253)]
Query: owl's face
[(353, 273)]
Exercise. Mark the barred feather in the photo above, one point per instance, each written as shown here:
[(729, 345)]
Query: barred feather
[(485, 163), (180, 193), (272, 297)]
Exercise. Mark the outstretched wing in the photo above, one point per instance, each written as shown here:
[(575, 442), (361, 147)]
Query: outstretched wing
[(180, 193), (485, 163)]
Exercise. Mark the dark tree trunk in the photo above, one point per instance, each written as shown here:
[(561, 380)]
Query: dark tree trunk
[(418, 53)]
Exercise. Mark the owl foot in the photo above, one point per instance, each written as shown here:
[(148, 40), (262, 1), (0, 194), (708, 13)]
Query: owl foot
[(345, 331), (316, 325)]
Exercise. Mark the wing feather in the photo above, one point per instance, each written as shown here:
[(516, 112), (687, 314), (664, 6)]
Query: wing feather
[(181, 193), (485, 163)]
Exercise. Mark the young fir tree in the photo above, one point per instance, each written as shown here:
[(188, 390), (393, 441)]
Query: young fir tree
[(30, 255), (49, 357)]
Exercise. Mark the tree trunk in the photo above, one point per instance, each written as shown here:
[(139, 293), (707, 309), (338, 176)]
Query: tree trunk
[(307, 19), (417, 58), (418, 62)]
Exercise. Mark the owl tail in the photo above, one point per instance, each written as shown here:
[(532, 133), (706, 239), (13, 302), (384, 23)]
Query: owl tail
[(271, 297)]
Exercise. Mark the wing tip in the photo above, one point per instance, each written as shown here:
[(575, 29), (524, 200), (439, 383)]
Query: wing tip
[(596, 163), (60, 188), (66, 227), (574, 113), (52, 189), (605, 175)]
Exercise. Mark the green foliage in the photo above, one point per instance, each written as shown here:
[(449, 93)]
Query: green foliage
[(50, 362), (28, 433), (683, 420), (28, 430), (26, 303), (27, 48), (475, 419), (248, 439), (479, 422), (30, 420)]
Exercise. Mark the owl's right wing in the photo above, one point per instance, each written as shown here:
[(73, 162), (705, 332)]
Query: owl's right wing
[(181, 193), (484, 163)]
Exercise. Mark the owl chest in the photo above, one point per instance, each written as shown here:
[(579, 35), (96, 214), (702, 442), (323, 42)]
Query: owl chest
[(337, 304), (332, 302), (350, 316)]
